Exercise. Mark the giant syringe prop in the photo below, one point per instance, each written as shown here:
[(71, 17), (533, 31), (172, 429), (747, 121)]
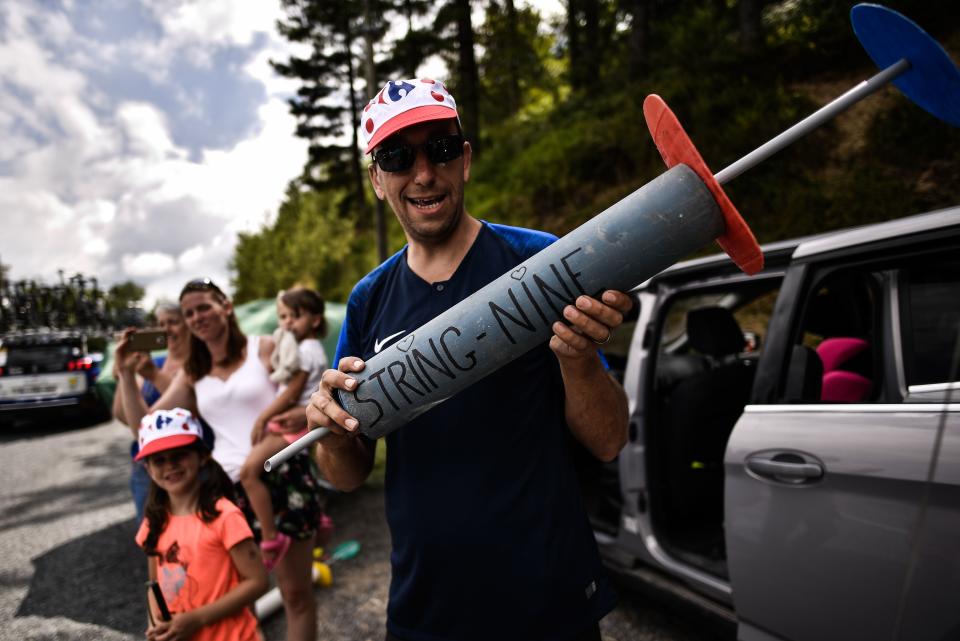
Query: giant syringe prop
[(668, 218)]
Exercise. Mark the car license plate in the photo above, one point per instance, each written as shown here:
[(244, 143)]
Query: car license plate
[(42, 386)]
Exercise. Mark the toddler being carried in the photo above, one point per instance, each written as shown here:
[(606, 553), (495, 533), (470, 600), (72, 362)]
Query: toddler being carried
[(298, 361)]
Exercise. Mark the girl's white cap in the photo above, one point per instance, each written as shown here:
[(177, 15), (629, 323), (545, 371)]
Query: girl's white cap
[(167, 429)]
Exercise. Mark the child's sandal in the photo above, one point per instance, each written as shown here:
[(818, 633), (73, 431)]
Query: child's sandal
[(276, 548)]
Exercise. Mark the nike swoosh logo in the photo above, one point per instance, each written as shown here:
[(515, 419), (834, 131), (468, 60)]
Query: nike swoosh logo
[(380, 344)]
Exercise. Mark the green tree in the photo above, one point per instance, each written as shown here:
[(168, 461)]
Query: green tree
[(453, 29), (123, 296), (751, 27), (512, 64), (403, 56), (307, 245), (326, 105), (637, 14), (120, 304)]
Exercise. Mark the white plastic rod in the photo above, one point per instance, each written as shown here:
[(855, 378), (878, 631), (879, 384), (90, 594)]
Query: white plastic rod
[(294, 448), (827, 112)]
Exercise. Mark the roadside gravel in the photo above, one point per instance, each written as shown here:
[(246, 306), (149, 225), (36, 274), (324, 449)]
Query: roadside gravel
[(354, 607), (69, 569)]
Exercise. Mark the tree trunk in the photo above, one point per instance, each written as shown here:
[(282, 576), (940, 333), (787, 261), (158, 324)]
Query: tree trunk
[(513, 83), (356, 169), (379, 213), (751, 35), (573, 43), (590, 46), (639, 38), (469, 85), (583, 33)]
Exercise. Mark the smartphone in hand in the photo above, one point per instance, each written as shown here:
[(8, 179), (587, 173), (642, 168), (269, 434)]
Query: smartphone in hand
[(148, 340)]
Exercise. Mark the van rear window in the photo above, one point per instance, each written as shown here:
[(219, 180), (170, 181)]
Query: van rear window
[(931, 315), (46, 356)]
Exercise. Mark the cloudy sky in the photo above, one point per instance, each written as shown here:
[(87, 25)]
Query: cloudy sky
[(138, 138)]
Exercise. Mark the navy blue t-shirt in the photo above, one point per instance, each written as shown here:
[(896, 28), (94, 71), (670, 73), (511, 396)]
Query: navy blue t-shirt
[(490, 536)]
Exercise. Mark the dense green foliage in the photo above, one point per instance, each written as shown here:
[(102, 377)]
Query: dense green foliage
[(555, 153), (308, 244)]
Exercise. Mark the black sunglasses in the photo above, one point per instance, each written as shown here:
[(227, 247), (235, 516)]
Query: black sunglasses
[(200, 285), (400, 157)]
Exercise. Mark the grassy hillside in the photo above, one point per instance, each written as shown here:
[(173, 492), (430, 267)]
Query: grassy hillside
[(884, 158)]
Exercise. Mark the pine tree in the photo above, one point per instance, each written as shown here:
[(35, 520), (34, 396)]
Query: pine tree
[(511, 64), (326, 104)]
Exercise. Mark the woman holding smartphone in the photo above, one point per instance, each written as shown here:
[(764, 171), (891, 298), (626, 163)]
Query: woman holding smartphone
[(153, 376)]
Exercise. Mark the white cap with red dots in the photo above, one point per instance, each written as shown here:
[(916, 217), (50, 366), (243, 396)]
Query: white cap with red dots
[(402, 103), (167, 429)]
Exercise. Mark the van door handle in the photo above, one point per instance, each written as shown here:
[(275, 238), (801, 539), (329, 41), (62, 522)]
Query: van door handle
[(785, 467)]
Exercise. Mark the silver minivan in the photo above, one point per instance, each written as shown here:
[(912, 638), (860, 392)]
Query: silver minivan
[(794, 454)]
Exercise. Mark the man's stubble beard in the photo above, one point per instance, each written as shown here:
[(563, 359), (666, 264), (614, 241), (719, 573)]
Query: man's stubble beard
[(433, 238)]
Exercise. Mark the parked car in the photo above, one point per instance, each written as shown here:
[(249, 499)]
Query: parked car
[(793, 462), (45, 372)]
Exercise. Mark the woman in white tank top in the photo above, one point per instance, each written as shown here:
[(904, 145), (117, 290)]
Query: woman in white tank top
[(232, 405), (226, 379)]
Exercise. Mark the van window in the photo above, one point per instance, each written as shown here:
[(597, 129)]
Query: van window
[(930, 320), (754, 317), (675, 323), (749, 309), (835, 358), (877, 333)]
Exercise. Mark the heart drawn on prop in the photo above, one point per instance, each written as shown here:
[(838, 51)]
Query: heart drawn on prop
[(518, 273), (404, 344)]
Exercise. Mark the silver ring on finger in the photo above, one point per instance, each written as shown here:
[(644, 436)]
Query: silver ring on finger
[(604, 341)]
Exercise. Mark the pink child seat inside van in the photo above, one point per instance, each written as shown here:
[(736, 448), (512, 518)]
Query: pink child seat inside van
[(842, 386)]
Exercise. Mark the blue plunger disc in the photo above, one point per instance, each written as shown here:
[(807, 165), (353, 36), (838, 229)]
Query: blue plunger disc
[(932, 81)]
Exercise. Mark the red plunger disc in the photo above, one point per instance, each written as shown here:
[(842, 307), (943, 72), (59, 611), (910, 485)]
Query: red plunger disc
[(676, 148)]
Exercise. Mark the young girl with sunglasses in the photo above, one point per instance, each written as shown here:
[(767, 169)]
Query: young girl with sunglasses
[(300, 314), (199, 547)]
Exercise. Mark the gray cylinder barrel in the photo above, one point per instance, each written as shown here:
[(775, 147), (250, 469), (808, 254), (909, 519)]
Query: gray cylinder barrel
[(636, 238)]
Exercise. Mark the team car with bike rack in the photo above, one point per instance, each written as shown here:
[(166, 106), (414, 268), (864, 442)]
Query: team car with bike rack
[(42, 371)]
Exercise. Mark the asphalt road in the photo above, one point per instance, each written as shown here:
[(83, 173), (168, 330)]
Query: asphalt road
[(69, 569)]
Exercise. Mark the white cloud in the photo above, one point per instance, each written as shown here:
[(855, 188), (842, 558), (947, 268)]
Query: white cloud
[(248, 179), (191, 258), (148, 264), (96, 247), (259, 68), (57, 27), (146, 132), (37, 232), (216, 21), (97, 211), (103, 167)]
